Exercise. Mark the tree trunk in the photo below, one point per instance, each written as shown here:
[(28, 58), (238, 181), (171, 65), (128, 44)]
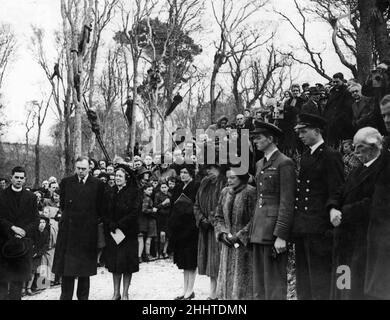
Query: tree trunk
[(67, 144), (213, 101), (37, 159), (133, 124), (364, 40)]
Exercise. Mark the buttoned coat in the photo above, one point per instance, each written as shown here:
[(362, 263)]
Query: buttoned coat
[(377, 280), (350, 237), (26, 217), (275, 183), (82, 206), (320, 177)]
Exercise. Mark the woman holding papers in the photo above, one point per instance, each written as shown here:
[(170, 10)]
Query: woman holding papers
[(121, 251), (183, 231)]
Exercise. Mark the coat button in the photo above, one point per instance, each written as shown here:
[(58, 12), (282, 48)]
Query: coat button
[(299, 181), (307, 190), (306, 199), (306, 208), (262, 172), (296, 207), (298, 189), (296, 199)]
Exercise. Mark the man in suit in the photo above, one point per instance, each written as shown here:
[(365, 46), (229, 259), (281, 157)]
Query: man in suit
[(271, 223), (82, 205), (18, 218), (362, 109), (311, 106), (350, 214), (321, 175)]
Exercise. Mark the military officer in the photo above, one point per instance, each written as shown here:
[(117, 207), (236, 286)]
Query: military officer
[(320, 177), (271, 224)]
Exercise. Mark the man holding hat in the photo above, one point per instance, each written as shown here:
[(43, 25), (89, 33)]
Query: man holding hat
[(271, 223), (18, 217), (320, 177)]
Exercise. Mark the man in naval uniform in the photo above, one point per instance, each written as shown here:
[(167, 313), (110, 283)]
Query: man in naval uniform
[(320, 177)]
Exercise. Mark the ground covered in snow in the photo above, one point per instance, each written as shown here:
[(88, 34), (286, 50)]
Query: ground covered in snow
[(156, 280)]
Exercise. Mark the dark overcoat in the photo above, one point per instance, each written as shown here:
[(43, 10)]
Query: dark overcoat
[(82, 206), (350, 237), (183, 233), (377, 280), (25, 216), (122, 214), (338, 113)]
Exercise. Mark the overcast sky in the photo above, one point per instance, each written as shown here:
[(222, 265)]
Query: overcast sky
[(25, 80)]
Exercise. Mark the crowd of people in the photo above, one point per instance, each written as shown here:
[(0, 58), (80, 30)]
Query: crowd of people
[(318, 178)]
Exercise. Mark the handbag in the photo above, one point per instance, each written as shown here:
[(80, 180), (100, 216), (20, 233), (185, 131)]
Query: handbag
[(101, 242)]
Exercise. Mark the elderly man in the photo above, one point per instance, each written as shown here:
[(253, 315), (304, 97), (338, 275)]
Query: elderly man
[(82, 205), (271, 224), (362, 109), (321, 175), (350, 214), (377, 280)]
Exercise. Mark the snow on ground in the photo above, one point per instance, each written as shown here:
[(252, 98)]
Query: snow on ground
[(156, 280)]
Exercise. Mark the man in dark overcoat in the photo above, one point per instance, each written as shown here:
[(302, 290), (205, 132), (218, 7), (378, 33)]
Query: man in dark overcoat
[(82, 202), (350, 214), (321, 174), (338, 112), (270, 226), (377, 280), (18, 217)]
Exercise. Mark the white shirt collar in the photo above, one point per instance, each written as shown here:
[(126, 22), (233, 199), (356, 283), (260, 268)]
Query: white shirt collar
[(16, 190), (315, 147), (369, 163), (269, 155)]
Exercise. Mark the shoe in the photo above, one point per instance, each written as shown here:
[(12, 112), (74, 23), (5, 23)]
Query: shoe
[(179, 298), (29, 292), (212, 299), (192, 296), (150, 258), (140, 260), (166, 256), (117, 298), (125, 297)]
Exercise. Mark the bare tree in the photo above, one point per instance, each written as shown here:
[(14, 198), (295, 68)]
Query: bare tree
[(231, 23), (131, 21), (102, 16), (29, 124), (315, 60), (39, 112), (7, 49), (77, 22)]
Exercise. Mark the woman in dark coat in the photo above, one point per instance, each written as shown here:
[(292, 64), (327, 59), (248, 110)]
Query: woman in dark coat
[(122, 259), (183, 231)]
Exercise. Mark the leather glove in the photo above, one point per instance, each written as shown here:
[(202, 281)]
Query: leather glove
[(224, 239), (112, 226), (234, 239)]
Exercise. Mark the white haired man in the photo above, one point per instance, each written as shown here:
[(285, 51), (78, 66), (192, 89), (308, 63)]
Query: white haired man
[(377, 281), (350, 214)]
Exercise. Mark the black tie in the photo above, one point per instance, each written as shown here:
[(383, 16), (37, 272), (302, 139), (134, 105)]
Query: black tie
[(81, 181)]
